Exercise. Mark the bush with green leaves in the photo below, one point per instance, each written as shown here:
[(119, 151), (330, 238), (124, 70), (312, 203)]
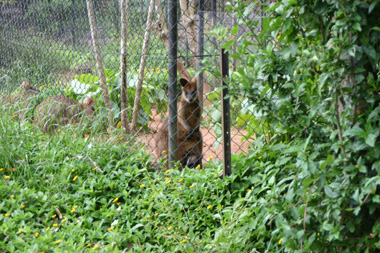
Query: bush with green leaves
[(312, 74)]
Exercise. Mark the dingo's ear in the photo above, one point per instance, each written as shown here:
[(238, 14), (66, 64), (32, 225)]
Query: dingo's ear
[(184, 82), (88, 101)]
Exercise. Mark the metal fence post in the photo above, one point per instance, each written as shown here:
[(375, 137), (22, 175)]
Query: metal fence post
[(214, 20), (200, 48), (226, 122), (172, 53), (262, 15)]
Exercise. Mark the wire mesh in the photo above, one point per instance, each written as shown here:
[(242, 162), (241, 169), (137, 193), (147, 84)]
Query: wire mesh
[(48, 44)]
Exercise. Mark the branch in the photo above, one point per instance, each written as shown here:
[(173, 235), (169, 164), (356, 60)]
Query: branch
[(304, 221), (340, 135), (365, 200), (59, 213)]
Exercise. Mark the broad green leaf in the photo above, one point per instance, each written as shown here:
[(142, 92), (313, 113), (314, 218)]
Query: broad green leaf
[(372, 6), (308, 181), (370, 140), (228, 44), (78, 87), (328, 227), (330, 193), (307, 142), (216, 116), (87, 78), (355, 131), (356, 196), (235, 29), (330, 159)]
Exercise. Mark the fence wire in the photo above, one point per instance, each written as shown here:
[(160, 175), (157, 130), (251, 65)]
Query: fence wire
[(49, 45)]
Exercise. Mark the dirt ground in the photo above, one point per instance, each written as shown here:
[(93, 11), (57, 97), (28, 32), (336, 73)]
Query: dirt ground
[(209, 140)]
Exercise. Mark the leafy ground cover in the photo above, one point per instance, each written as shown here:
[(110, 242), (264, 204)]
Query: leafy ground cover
[(53, 197), (67, 193)]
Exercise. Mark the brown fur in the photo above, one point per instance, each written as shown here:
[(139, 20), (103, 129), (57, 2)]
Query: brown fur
[(189, 137), (21, 99), (60, 110), (189, 107)]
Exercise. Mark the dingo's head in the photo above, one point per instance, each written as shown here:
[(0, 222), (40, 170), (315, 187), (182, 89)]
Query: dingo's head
[(189, 90)]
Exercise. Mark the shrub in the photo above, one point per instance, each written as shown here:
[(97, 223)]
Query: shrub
[(312, 74)]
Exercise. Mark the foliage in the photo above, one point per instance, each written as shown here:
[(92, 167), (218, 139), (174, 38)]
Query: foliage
[(312, 74), (153, 96), (53, 197), (311, 78), (241, 109)]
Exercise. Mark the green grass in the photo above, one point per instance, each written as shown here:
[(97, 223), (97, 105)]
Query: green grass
[(53, 199), (124, 204)]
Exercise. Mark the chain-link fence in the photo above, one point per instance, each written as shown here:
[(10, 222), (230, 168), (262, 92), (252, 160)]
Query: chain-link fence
[(49, 44)]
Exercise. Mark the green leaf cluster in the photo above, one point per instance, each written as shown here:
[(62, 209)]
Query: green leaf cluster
[(312, 74), (153, 96)]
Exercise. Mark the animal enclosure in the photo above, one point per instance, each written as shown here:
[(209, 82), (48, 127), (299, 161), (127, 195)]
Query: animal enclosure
[(49, 44)]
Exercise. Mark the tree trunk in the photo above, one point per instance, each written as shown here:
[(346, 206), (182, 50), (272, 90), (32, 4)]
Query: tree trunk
[(99, 61), (136, 105), (161, 29), (124, 7), (188, 18)]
